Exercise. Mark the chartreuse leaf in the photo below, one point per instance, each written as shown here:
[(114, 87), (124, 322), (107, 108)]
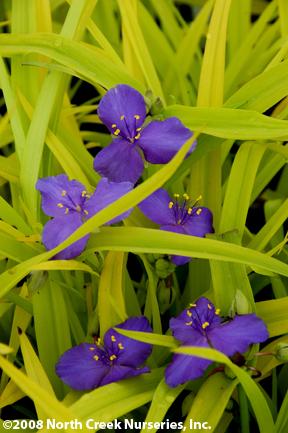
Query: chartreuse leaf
[(262, 238), (34, 370), (229, 123), (163, 398), (282, 419), (239, 62), (239, 187), (47, 109), (52, 407), (187, 48), (63, 265), (51, 327), (117, 399), (111, 305), (175, 244), (147, 337), (254, 394), (11, 216), (231, 286), (141, 51), (283, 15), (10, 394), (274, 314), (12, 108), (152, 307), (215, 394)]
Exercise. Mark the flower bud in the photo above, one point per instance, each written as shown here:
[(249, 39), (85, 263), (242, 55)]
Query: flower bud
[(164, 268), (281, 352)]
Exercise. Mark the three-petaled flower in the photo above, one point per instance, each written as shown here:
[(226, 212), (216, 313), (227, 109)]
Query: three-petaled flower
[(123, 112), (88, 366), (178, 215), (200, 325), (70, 205)]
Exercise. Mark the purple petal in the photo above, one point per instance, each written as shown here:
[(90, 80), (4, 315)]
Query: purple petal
[(199, 225), (132, 353), (78, 369), (180, 260), (59, 190), (184, 368), (156, 207), (107, 192), (119, 107), (238, 334), (119, 372), (58, 229), (161, 140), (119, 162)]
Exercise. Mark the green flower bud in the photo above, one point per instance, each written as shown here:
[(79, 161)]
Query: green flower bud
[(281, 352), (164, 268)]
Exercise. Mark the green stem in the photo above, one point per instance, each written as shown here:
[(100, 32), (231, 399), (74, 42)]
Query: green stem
[(244, 410)]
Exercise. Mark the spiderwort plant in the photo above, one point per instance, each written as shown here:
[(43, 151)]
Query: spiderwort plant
[(178, 215), (68, 202), (123, 112), (88, 366), (200, 325)]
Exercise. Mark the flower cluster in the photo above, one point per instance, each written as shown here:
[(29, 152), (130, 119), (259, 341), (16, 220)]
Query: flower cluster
[(137, 138), (89, 366), (123, 111)]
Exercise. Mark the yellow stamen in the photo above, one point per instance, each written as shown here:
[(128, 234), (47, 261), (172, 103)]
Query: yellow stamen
[(198, 212), (138, 129), (83, 193), (189, 313), (209, 307), (217, 311), (114, 125), (86, 212), (117, 132), (192, 305), (188, 323), (176, 195), (186, 196), (137, 136), (120, 346), (112, 357), (60, 205), (96, 357), (92, 348), (199, 198), (205, 325), (98, 342), (78, 208), (63, 193), (171, 204), (66, 210), (136, 116), (113, 338), (190, 210), (122, 117)]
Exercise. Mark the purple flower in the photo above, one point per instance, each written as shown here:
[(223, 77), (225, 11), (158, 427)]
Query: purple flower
[(89, 366), (200, 325), (70, 205), (123, 111), (177, 215)]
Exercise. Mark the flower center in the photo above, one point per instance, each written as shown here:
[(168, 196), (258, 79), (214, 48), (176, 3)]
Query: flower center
[(71, 205), (183, 208), (128, 130), (110, 354), (201, 321)]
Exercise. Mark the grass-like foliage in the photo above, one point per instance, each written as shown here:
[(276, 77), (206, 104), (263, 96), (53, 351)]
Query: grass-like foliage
[(221, 68)]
